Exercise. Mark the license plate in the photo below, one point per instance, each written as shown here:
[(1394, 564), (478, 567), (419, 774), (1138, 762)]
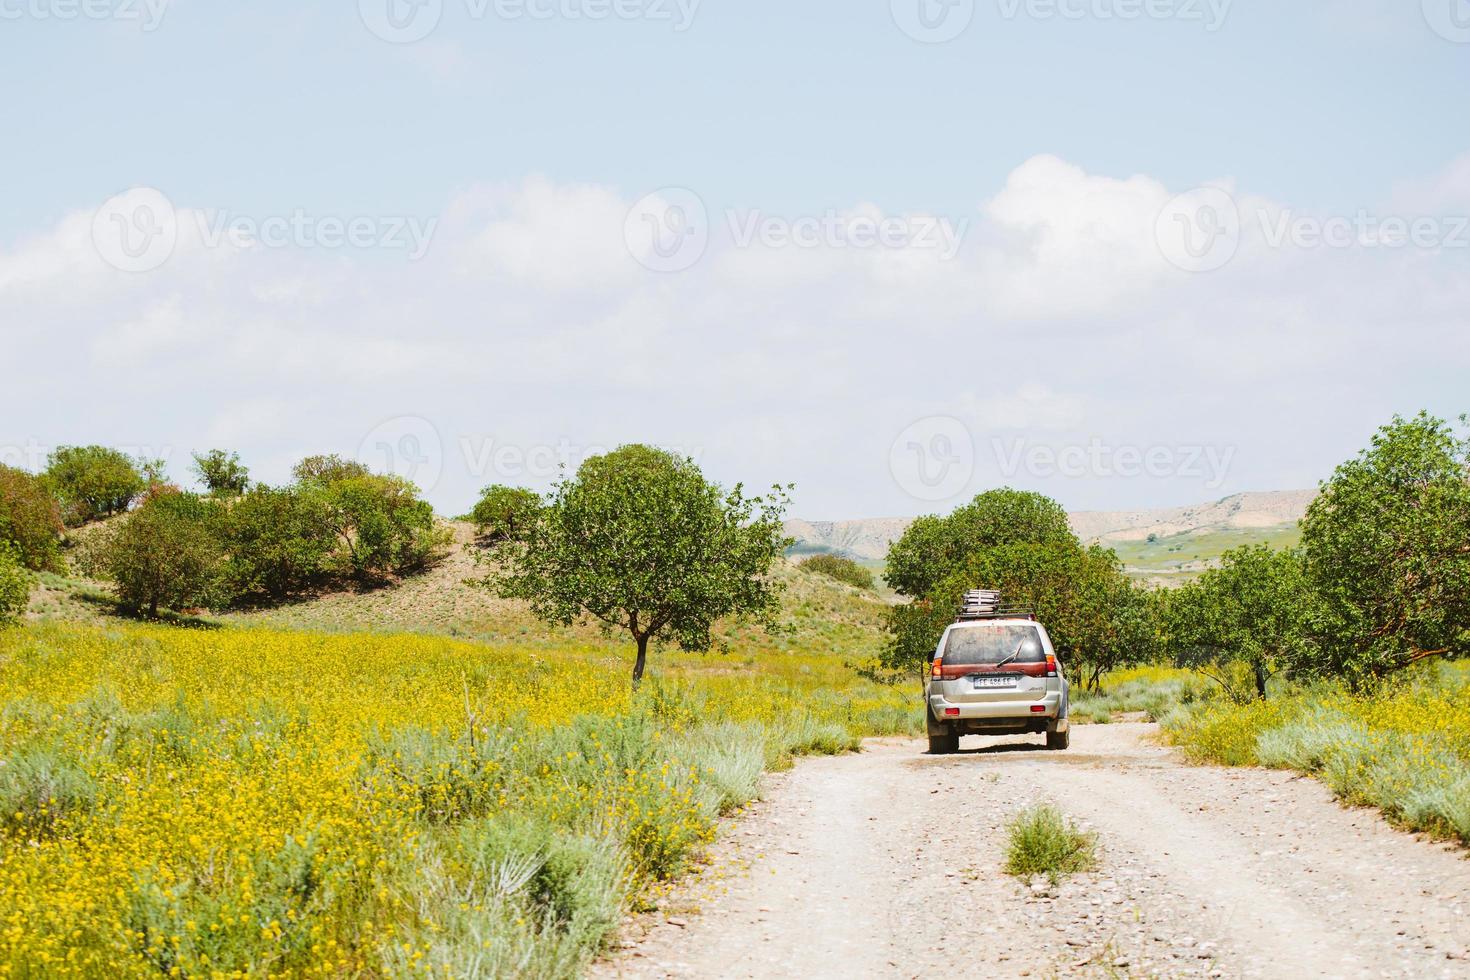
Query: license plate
[(981, 683)]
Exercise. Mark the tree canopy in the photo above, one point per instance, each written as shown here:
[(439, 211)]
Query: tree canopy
[(640, 541), (1387, 545)]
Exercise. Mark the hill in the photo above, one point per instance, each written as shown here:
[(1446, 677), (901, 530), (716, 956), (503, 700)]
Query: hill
[(443, 600), (1152, 543)]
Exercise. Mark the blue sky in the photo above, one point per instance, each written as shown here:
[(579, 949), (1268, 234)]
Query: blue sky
[(527, 140)]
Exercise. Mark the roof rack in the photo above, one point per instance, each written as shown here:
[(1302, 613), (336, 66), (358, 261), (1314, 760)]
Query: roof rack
[(987, 604)]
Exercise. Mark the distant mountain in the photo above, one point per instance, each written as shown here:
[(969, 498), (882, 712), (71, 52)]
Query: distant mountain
[(868, 540)]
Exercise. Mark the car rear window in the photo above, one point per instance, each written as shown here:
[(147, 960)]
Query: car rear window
[(992, 644)]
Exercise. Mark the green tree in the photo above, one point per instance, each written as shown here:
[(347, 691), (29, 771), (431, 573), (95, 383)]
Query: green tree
[(642, 542), (1387, 545), (1098, 620), (379, 524), (1022, 544), (15, 583), (167, 554), (933, 548), (326, 470), (92, 482), (504, 513), (278, 541), (839, 568), (1255, 609), (30, 519), (222, 473)]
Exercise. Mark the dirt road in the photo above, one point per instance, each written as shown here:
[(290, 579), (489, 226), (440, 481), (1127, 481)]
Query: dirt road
[(887, 864)]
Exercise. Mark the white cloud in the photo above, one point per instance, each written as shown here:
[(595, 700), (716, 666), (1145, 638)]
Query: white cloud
[(530, 316)]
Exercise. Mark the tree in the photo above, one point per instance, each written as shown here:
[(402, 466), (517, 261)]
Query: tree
[(278, 541), (504, 513), (92, 482), (839, 568), (166, 554), (379, 524), (1254, 609), (222, 473), (30, 519), (326, 470), (15, 583), (1022, 544), (1387, 545), (935, 547), (1097, 619), (642, 542)]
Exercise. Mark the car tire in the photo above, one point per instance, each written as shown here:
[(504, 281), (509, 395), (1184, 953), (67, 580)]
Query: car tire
[(1058, 741), (944, 744)]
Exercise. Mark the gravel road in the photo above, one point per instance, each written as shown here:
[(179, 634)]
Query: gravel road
[(888, 864)]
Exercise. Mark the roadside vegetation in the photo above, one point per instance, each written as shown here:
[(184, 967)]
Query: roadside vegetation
[(841, 569), (1041, 841), (251, 800)]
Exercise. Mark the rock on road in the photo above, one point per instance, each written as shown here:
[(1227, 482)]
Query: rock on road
[(888, 864)]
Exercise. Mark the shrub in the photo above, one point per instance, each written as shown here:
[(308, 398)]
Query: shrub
[(504, 513), (39, 787), (167, 554), (221, 473), (92, 482), (1043, 842), (380, 525), (841, 569), (15, 583), (327, 469), (278, 542), (30, 518)]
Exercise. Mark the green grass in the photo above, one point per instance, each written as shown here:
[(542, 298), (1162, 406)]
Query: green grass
[(1181, 557), (1044, 842), (1404, 750)]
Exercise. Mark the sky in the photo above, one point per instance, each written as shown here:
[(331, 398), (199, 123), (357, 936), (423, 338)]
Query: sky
[(1129, 253)]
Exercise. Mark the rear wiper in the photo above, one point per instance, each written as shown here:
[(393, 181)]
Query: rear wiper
[(1012, 656)]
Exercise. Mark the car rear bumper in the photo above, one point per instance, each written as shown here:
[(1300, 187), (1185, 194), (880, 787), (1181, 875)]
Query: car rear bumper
[(1050, 705)]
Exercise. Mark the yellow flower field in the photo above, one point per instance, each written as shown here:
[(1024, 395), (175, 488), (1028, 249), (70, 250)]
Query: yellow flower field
[(253, 803), (1405, 749)]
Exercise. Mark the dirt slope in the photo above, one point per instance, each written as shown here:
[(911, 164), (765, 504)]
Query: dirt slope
[(887, 864), (870, 539)]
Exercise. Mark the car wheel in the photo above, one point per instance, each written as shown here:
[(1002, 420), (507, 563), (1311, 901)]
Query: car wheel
[(1057, 741), (944, 744)]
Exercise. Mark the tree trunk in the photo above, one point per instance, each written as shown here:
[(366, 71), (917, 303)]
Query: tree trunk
[(1260, 667), (153, 608), (641, 662)]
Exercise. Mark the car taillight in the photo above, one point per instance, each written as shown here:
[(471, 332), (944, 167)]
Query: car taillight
[(1051, 665), (951, 712), (1037, 709), (938, 668)]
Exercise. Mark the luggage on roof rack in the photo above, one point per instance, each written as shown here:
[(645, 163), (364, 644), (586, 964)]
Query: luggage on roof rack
[(987, 604)]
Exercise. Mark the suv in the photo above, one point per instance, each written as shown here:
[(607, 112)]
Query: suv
[(995, 673)]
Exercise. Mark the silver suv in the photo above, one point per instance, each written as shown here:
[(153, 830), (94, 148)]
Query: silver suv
[(995, 673)]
